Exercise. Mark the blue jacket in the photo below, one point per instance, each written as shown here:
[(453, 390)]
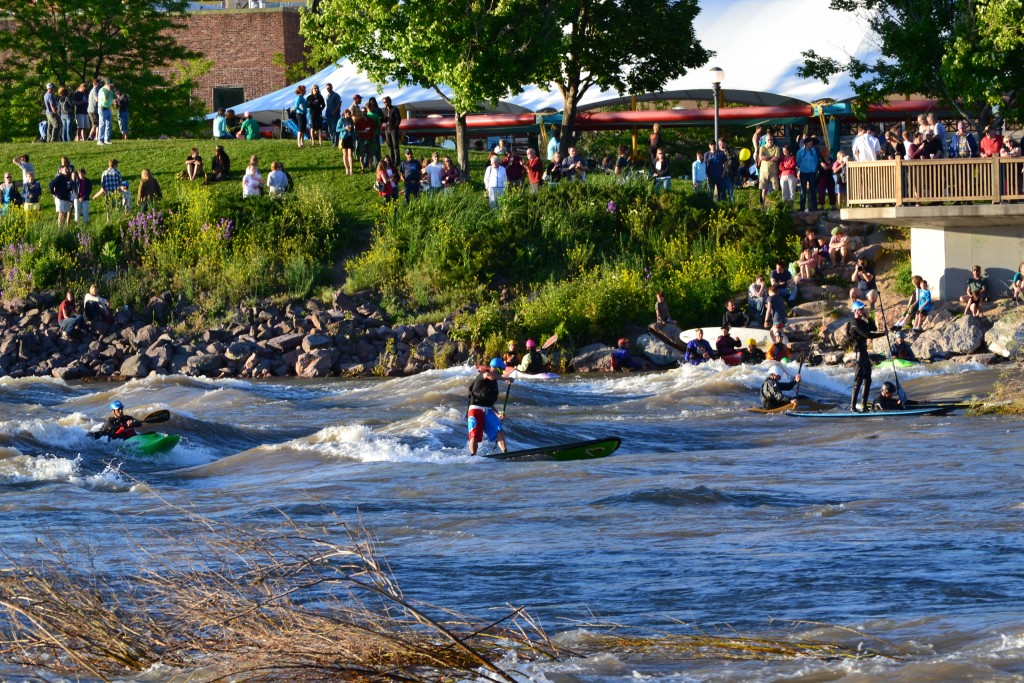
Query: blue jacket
[(807, 160), (696, 349)]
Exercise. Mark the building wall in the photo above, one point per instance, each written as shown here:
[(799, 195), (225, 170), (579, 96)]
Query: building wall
[(944, 256), (241, 44)]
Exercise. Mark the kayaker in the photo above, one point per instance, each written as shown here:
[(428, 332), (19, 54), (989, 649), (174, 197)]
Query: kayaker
[(533, 362), (119, 425), (887, 400), (861, 330), (751, 355), (481, 417), (726, 344), (511, 357), (778, 350), (771, 391), (901, 349), (698, 350)]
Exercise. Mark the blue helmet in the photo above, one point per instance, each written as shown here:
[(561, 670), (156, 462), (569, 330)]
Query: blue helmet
[(497, 364), (116, 405)]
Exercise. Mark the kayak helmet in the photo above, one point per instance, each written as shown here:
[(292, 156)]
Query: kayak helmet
[(622, 340), (751, 342), (511, 342), (497, 364), (775, 370), (116, 405), (530, 343), (888, 387)]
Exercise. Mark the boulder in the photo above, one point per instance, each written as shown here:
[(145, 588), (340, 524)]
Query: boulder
[(239, 349), (315, 341), (657, 351), (159, 357), (870, 252), (135, 366), (593, 358), (316, 363), (145, 336), (67, 373), (204, 364), (810, 308), (158, 308), (1006, 337), (962, 336), (836, 333), (286, 342)]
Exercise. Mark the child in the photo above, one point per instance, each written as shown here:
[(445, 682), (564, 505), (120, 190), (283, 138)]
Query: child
[(699, 173)]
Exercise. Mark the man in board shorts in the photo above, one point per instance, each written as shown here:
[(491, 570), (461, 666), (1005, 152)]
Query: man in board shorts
[(481, 418)]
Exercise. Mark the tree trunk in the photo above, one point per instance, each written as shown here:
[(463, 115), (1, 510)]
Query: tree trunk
[(462, 143), (568, 131)]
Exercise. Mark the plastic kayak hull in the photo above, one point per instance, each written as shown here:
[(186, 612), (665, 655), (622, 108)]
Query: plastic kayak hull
[(582, 450), (806, 405), (516, 374), (909, 412), (153, 442)]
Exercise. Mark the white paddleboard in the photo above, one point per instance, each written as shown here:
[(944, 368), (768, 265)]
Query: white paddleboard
[(759, 334), (515, 374)]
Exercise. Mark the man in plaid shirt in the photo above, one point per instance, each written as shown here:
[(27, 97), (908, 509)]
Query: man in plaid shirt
[(110, 185)]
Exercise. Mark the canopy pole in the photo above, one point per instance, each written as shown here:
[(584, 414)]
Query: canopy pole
[(632, 107)]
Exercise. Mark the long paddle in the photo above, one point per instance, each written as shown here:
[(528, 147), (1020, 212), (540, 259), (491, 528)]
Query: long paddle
[(888, 343), (156, 417), (801, 367), (505, 404)]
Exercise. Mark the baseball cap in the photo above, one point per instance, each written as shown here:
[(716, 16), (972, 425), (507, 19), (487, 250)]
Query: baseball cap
[(49, 86), (856, 305)]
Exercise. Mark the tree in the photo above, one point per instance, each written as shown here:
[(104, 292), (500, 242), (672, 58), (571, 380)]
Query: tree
[(955, 51), (130, 42), (631, 47), (479, 50)]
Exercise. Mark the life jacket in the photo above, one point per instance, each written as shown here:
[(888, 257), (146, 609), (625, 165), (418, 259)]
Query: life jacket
[(483, 392), (536, 364)]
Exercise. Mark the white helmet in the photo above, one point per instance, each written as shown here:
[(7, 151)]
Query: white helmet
[(775, 370)]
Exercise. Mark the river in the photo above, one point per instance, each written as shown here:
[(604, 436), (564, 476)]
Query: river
[(708, 517)]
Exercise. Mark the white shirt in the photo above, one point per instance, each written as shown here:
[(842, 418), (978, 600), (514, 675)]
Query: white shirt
[(251, 182), (495, 177), (434, 173), (277, 181), (866, 147)]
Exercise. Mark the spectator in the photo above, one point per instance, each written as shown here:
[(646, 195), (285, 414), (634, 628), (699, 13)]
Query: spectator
[(433, 171), (864, 281), (991, 143), (93, 109), (315, 105), (931, 148), (31, 192), (332, 113), (787, 175), (52, 114), (782, 280), (554, 173), (807, 169), (839, 173), (977, 292), (894, 147), (68, 317), (66, 108), (385, 182), (277, 180), (65, 163), (1017, 286), (964, 144), (122, 104), (96, 308), (716, 165), (514, 169), (654, 144), (734, 317), (450, 174), (621, 163), (699, 173), (250, 129), (826, 181), (220, 165), (375, 117), (412, 175), (60, 189), (149, 191), (865, 145), (193, 166), (9, 195), (233, 123), (662, 172), (732, 165), (22, 162), (104, 102), (768, 157), (83, 191), (839, 247), (495, 179), (939, 132), (534, 169), (552, 148), (775, 310), (80, 100), (807, 263), (392, 124), (252, 181), (1011, 148), (220, 126), (757, 298), (573, 166), (301, 108), (661, 315)]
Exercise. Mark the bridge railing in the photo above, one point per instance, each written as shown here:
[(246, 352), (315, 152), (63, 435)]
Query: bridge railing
[(929, 181)]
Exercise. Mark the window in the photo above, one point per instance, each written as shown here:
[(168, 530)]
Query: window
[(227, 98)]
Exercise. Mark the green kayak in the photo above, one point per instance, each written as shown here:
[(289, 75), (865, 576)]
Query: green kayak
[(153, 442), (583, 450)]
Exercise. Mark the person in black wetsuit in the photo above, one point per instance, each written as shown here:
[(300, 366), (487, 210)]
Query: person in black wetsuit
[(861, 330), (751, 355), (771, 390), (481, 418), (887, 400), (119, 425)]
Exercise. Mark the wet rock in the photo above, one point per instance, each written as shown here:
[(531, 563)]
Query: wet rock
[(980, 358), (593, 358), (159, 357), (316, 363), (204, 364), (1006, 337), (657, 351)]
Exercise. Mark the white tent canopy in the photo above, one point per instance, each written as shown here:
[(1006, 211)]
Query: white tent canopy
[(757, 43)]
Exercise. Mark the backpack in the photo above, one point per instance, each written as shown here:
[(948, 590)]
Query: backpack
[(65, 106)]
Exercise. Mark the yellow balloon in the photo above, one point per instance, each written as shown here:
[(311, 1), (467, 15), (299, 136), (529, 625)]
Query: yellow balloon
[(744, 154)]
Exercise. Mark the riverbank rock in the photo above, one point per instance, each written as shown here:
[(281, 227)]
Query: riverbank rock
[(1006, 337), (962, 336), (657, 351), (593, 358)]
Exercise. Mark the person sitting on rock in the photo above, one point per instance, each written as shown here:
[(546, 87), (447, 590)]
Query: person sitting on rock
[(67, 316), (96, 307), (698, 350), (977, 291), (778, 350), (839, 247), (751, 354)]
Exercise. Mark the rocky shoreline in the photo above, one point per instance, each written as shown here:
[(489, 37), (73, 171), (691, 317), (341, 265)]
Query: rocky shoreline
[(349, 336)]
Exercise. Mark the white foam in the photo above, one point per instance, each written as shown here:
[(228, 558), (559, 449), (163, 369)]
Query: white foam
[(359, 442), (26, 469)]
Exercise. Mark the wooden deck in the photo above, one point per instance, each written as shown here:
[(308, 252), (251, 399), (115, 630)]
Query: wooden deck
[(934, 181)]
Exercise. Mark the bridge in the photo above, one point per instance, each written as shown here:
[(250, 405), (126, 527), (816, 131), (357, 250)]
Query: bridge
[(960, 212)]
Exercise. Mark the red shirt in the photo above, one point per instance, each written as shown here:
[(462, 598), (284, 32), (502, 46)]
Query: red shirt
[(534, 170), (787, 165), (990, 146)]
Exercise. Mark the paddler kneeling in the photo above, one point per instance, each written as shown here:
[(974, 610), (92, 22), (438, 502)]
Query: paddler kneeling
[(119, 425), (771, 390), (481, 417), (887, 400)]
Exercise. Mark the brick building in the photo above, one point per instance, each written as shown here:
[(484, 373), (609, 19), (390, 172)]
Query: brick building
[(241, 43)]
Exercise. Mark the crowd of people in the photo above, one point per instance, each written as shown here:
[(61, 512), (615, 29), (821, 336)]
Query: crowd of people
[(85, 113)]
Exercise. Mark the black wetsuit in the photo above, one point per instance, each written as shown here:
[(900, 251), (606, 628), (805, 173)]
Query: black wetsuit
[(887, 403), (118, 427), (861, 330), (752, 356), (771, 393)]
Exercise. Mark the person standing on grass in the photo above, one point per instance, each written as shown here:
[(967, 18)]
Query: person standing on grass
[(52, 114), (301, 112), (104, 102), (83, 190), (93, 109), (110, 184), (392, 123), (80, 99), (122, 105), (332, 113), (494, 181), (315, 105), (60, 189), (149, 191), (347, 139), (433, 171)]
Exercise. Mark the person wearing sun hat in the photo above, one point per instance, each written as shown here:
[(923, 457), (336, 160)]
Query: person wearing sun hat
[(862, 329), (839, 247)]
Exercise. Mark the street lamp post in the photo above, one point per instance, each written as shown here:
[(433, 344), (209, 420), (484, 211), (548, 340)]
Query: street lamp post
[(717, 76)]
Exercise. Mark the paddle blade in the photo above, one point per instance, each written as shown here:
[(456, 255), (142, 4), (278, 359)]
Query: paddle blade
[(157, 417), (551, 341)]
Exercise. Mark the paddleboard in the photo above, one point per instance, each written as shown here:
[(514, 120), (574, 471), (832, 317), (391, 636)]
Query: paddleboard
[(760, 335), (153, 442), (805, 404), (909, 412), (516, 374), (583, 450)]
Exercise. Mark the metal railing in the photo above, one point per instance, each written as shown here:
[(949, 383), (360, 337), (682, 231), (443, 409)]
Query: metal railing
[(930, 181)]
